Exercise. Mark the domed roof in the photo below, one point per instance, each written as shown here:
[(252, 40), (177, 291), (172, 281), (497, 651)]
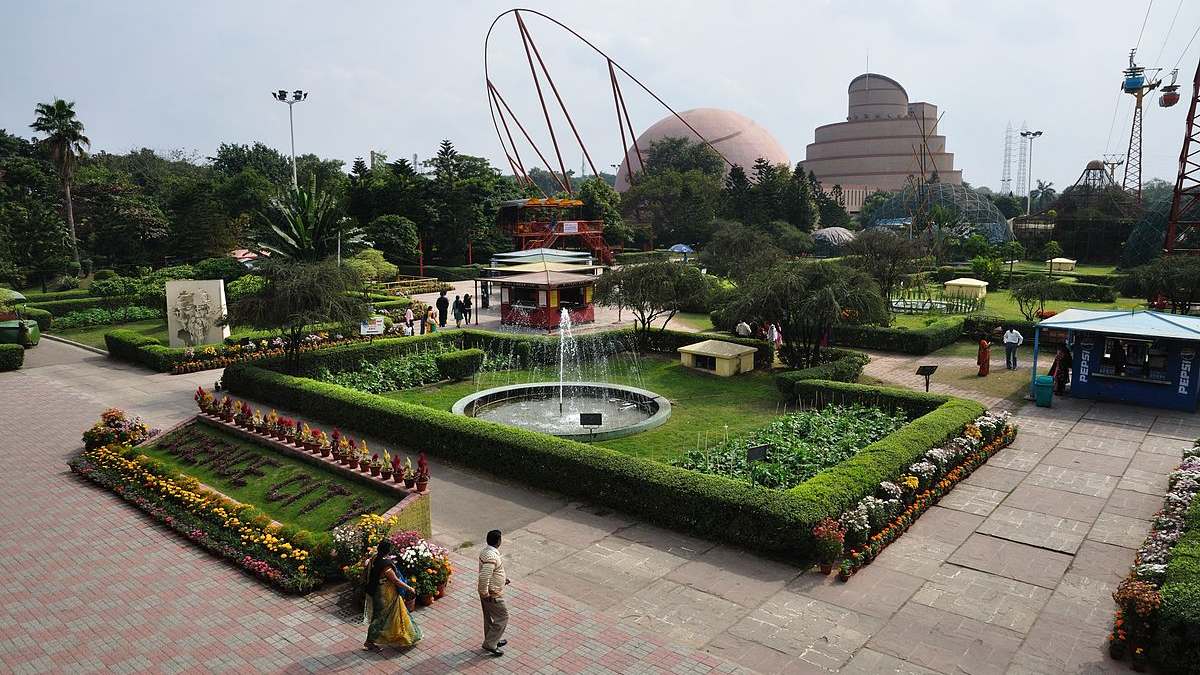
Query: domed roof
[(736, 136), (1094, 165), (977, 214), (837, 236)]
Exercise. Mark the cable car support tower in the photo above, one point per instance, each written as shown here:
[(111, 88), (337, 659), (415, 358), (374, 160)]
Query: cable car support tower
[(1184, 219)]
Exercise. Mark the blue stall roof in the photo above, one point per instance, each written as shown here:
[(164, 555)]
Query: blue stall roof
[(1144, 324)]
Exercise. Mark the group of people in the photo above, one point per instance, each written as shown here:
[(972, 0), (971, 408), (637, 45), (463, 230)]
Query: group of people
[(430, 322), (1060, 369), (770, 332), (391, 625)]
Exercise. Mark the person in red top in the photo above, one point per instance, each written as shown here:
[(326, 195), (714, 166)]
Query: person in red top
[(984, 360)]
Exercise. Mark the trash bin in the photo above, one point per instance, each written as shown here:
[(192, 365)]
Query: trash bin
[(1043, 390)]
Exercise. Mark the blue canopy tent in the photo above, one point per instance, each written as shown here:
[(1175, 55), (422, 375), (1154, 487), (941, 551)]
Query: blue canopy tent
[(1145, 358), (682, 248)]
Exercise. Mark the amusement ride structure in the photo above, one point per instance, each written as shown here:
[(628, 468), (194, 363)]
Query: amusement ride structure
[(1184, 217)]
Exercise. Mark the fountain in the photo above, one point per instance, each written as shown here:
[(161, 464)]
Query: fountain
[(568, 407)]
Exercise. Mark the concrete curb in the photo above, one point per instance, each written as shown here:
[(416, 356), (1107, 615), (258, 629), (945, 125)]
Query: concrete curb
[(73, 343)]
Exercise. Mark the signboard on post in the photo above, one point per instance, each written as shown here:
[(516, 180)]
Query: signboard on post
[(570, 227), (372, 326), (757, 453), (591, 419)]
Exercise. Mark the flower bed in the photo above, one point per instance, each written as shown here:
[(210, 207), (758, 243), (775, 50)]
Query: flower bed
[(877, 521), (425, 565), (1157, 604), (115, 427), (231, 530)]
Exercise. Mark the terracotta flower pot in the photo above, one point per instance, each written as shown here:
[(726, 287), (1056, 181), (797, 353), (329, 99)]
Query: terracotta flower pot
[(425, 600), (422, 486), (410, 603), (844, 576), (385, 474), (297, 442), (441, 591), (364, 466), (374, 471), (397, 477), (826, 568), (324, 452), (409, 483)]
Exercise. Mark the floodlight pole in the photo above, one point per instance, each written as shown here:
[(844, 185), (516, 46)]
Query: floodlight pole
[(1031, 135), (282, 97)]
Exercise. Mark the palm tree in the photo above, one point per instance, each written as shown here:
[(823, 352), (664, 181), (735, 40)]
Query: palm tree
[(304, 225), (1044, 193), (65, 139)]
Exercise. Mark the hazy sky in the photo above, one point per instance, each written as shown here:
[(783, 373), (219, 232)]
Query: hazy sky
[(399, 76)]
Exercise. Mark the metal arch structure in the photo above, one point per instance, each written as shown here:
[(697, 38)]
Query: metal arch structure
[(1183, 222), (503, 114)]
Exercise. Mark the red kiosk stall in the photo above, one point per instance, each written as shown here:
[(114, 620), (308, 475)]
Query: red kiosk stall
[(537, 299)]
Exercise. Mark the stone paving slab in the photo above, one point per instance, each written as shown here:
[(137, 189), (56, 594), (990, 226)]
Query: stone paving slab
[(815, 632), (946, 642), (877, 591), (1036, 529), (1100, 445), (1055, 502), (1072, 480), (980, 501), (1133, 504), (1012, 560), (988, 598), (1111, 528), (734, 575), (995, 478), (1146, 482), (1087, 461)]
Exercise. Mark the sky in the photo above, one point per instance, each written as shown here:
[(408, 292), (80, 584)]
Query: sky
[(398, 77)]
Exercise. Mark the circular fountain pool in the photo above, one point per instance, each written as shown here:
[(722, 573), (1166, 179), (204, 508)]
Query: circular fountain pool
[(553, 408)]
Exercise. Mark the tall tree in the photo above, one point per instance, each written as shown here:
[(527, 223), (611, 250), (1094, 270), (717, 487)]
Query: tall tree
[(739, 203), (799, 205), (303, 225), (885, 256), (652, 290), (602, 202), (66, 143)]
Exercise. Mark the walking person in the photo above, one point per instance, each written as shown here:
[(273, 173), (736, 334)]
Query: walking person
[(1060, 370), (743, 329), (408, 319), (467, 308), (390, 624), (457, 308), (492, 581), (1012, 340), (430, 322), (443, 304), (984, 358)]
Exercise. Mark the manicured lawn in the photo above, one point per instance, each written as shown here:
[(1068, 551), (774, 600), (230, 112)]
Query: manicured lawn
[(1001, 303), (694, 320), (93, 336), (256, 489), (1081, 268), (701, 404)]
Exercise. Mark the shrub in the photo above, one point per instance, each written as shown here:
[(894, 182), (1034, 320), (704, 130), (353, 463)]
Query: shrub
[(100, 317), (773, 521), (41, 316), (224, 267), (460, 364), (909, 341), (64, 307), (843, 366), (244, 286), (1177, 650), (11, 356), (57, 295), (103, 274)]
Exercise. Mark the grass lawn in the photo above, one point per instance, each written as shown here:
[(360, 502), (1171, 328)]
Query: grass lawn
[(694, 320), (1081, 268), (254, 489), (1001, 303), (93, 336), (700, 404)]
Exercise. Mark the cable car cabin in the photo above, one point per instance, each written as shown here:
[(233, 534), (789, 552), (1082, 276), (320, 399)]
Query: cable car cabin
[(1133, 82), (537, 299), (542, 223), (1168, 99)]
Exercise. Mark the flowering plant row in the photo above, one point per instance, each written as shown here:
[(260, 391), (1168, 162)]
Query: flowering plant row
[(234, 531), (343, 449), (425, 564), (1138, 598), (196, 359), (116, 427), (878, 520)]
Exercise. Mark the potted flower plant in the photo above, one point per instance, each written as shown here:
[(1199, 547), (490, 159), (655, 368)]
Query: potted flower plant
[(287, 432), (376, 464), (258, 422), (410, 477), (385, 466), (828, 537), (323, 444), (397, 470), (422, 473), (227, 408), (364, 458), (272, 422)]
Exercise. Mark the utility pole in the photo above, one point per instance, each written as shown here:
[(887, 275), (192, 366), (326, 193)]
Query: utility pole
[(296, 97), (1031, 135)]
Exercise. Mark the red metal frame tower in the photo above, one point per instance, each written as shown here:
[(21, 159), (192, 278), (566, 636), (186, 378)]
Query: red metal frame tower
[(1184, 218)]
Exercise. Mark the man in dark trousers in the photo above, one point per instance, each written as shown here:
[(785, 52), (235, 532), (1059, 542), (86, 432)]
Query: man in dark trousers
[(492, 581), (443, 304)]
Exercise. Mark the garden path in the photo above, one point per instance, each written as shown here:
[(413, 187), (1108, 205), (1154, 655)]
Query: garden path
[(1012, 572)]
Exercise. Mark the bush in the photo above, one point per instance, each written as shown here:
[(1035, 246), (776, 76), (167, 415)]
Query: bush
[(1177, 650), (773, 521), (41, 316), (632, 257), (460, 364), (11, 357), (103, 274), (100, 317), (1081, 292), (244, 286), (225, 267), (65, 307), (442, 272), (908, 341), (842, 365), (57, 295)]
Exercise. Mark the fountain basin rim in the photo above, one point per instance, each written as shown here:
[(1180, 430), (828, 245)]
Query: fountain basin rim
[(658, 418)]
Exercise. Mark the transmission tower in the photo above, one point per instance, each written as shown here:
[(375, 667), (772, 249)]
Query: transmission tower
[(1111, 162), (1184, 218), (1137, 85), (1023, 163), (1006, 174)]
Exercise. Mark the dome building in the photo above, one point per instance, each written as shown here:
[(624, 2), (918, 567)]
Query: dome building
[(975, 213), (736, 136), (875, 148)]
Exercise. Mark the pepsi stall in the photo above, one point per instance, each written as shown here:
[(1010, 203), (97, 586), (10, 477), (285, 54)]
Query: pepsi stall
[(1144, 358)]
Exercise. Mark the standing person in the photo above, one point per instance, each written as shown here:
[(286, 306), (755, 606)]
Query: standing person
[(430, 321), (443, 304), (742, 329), (778, 340), (458, 311), (492, 581), (1060, 370), (408, 319), (984, 359), (1012, 340), (772, 333), (467, 308), (390, 623)]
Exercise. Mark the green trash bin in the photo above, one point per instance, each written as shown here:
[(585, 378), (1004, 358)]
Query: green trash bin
[(1043, 390)]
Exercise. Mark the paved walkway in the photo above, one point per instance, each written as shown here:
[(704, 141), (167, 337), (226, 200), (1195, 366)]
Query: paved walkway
[(1011, 573)]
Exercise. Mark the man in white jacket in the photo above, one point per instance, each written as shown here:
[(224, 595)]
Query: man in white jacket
[(492, 581), (1012, 340)]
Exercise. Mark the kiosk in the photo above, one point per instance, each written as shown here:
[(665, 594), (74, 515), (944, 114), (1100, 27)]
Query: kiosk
[(537, 299), (1144, 358)]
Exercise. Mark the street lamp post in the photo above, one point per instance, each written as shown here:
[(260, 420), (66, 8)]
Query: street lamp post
[(1031, 135), (295, 97)]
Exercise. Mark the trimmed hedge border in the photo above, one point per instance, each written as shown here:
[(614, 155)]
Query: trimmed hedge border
[(1176, 648), (64, 307), (460, 364), (43, 318), (843, 366), (72, 294), (772, 521), (12, 357), (907, 341)]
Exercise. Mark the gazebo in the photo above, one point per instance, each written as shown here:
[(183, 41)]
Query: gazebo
[(536, 299), (1145, 358)]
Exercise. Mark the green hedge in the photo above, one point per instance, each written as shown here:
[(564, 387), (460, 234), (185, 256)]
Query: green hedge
[(1081, 292), (842, 365), (134, 347), (41, 316), (460, 364), (630, 257), (11, 357), (905, 340), (73, 294), (443, 272), (1177, 648), (64, 307), (772, 521)]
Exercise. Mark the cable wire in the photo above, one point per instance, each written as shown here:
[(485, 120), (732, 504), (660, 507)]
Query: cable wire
[(1185, 49), (1166, 37), (1144, 20)]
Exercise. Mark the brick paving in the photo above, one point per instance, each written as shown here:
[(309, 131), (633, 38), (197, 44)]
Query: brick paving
[(1011, 573)]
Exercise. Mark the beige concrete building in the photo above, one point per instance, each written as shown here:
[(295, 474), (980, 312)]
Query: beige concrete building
[(876, 147), (716, 356)]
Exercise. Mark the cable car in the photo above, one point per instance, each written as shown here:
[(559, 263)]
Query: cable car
[(1170, 93), (1133, 80)]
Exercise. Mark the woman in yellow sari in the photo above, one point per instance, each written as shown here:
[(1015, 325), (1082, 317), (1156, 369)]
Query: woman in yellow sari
[(390, 623)]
